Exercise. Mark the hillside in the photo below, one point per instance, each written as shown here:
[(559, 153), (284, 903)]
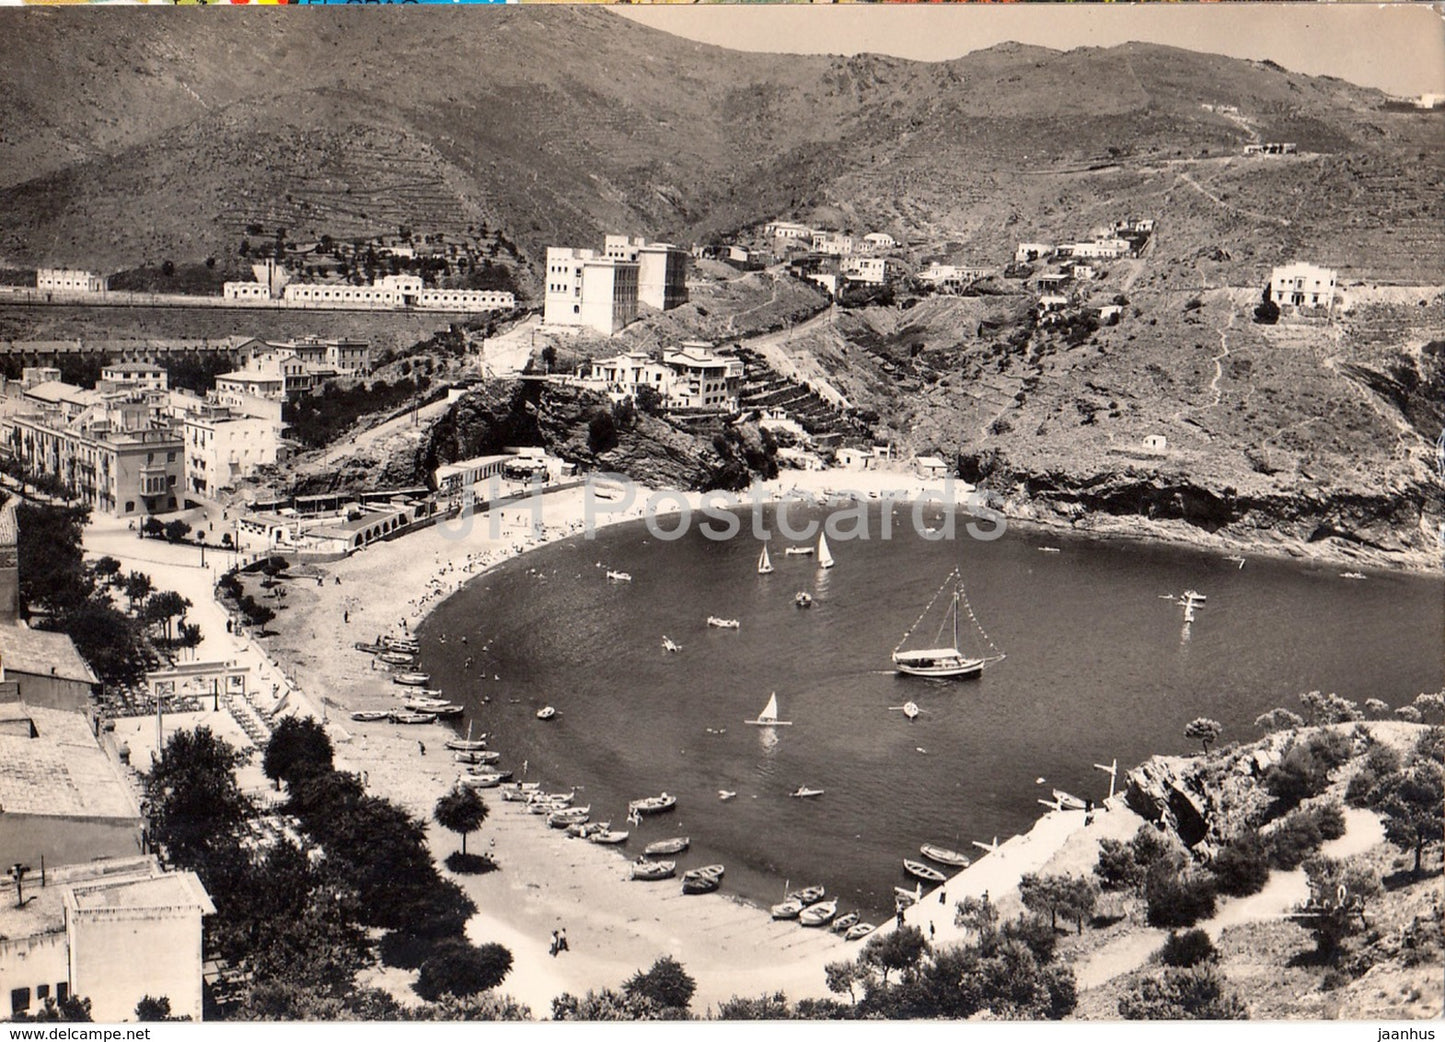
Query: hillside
[(160, 137)]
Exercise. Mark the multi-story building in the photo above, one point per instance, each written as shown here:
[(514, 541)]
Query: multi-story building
[(388, 293), (702, 379), (113, 470), (788, 230), (879, 241), (1105, 248), (1032, 251), (275, 373), (1303, 285), (67, 280), (126, 376), (661, 269), (223, 447), (341, 355), (629, 371), (834, 244), (588, 290), (872, 271)]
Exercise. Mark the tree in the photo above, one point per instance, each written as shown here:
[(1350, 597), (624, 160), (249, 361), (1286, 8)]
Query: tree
[(901, 950), (151, 1008), (152, 527), (1116, 867), (1241, 867), (1329, 709), (176, 530), (648, 399), (1189, 948), (109, 640), (299, 747), (666, 984), (53, 576), (164, 606), (842, 976), (137, 588), (1177, 898), (601, 433), (1072, 896), (978, 914), (1267, 312), (1197, 993), (459, 968), (1412, 801), (604, 1005), (70, 1008), (1204, 730), (1336, 908), (106, 569), (461, 811), (193, 797), (1279, 720)]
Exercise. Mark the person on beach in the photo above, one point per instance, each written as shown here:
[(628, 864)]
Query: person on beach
[(562, 940), (422, 746), (553, 950)]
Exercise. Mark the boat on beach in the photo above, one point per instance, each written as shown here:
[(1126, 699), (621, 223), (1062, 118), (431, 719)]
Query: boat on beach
[(676, 845), (857, 933), (610, 837), (369, 715), (844, 923), (702, 880), (489, 780), (944, 856), (906, 898), (944, 662), (787, 910), (412, 679), (765, 563), (560, 819), (769, 716), (927, 873), (424, 705), (586, 830), (818, 914), (406, 644), (479, 756), (723, 624), (806, 895), (397, 658), (408, 717), (467, 744), (647, 870)]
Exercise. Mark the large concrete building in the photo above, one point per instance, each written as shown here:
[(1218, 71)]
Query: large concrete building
[(342, 355), (68, 281), (661, 269), (111, 931), (692, 377), (589, 291), (222, 447), (391, 292)]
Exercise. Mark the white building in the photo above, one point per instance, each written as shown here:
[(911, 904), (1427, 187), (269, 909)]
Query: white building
[(702, 379), (112, 931), (273, 375), (661, 269), (391, 292), (1302, 285), (223, 447), (67, 280), (874, 271), (341, 355), (879, 241), (142, 376), (626, 372), (788, 230), (589, 291), (1032, 251), (1100, 248), (834, 244)]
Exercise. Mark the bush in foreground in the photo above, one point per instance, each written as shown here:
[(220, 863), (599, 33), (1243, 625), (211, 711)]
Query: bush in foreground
[(1189, 948)]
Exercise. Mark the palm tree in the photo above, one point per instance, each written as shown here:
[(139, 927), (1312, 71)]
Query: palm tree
[(461, 811)]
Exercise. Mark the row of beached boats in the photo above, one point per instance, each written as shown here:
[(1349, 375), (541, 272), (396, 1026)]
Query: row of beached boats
[(810, 908)]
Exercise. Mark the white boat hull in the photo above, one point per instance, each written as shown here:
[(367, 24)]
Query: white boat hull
[(941, 667)]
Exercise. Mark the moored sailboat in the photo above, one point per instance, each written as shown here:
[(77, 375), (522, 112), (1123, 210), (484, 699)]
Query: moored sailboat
[(941, 661)]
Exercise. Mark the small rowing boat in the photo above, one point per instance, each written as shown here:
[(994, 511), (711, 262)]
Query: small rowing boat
[(803, 792), (368, 715), (619, 577), (647, 870), (802, 599), (610, 837), (844, 923), (798, 551), (411, 679), (857, 933), (477, 757), (653, 804), (787, 910), (546, 713), (944, 856), (818, 914), (723, 624), (397, 658), (676, 845), (927, 873), (807, 895), (407, 717)]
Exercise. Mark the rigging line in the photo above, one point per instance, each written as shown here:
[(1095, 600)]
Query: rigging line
[(909, 632)]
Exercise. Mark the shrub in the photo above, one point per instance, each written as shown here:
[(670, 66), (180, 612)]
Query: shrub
[(1197, 993), (1241, 867), (1175, 898), (667, 984), (1304, 771), (1189, 948), (1116, 867), (1297, 837), (457, 967), (1380, 762)]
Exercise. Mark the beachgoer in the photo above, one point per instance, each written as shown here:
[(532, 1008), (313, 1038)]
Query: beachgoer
[(562, 940), (346, 616), (942, 897), (900, 918), (422, 746), (553, 950), (931, 931)]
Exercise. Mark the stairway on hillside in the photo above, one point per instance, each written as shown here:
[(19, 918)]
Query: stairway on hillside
[(764, 388)]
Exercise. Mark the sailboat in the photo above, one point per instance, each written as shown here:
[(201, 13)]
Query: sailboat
[(941, 661), (769, 716), (825, 559), (765, 565)]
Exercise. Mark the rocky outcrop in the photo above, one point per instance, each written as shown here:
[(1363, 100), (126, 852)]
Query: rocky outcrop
[(1204, 800)]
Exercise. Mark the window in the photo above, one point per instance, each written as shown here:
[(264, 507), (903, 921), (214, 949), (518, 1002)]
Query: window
[(130, 506), (42, 992), (171, 456), (62, 991), (19, 1000)]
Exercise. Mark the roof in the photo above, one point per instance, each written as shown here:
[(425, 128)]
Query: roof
[(44, 910), (448, 469), (41, 653), (169, 890), (931, 462), (62, 772), (60, 391), (134, 367)]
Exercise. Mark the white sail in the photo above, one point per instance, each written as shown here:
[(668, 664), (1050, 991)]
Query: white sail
[(825, 559), (764, 564), (769, 716)]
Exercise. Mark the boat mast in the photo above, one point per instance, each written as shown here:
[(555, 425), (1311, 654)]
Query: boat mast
[(955, 618)]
